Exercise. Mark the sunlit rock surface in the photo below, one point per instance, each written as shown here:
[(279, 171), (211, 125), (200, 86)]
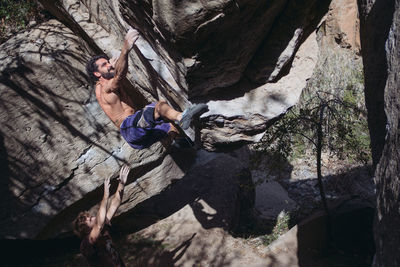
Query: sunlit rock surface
[(57, 145), (248, 60), (224, 53)]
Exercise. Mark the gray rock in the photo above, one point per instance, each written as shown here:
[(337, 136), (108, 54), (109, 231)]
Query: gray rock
[(380, 48), (272, 199), (57, 145), (217, 56), (193, 212)]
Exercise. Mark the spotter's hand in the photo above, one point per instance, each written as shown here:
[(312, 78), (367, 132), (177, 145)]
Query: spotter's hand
[(123, 174)]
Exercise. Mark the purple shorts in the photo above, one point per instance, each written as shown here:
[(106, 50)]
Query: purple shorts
[(141, 130)]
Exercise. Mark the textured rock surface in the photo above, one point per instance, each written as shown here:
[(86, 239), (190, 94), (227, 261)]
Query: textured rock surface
[(244, 118), (381, 52), (226, 50), (343, 25), (57, 146), (248, 60)]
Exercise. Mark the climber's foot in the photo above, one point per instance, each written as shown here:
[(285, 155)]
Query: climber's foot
[(189, 113)]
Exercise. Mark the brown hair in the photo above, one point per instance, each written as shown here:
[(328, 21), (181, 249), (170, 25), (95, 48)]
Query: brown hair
[(81, 229), (91, 67)]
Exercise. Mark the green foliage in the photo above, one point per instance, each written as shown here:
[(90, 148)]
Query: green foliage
[(281, 227), (16, 14), (336, 87)]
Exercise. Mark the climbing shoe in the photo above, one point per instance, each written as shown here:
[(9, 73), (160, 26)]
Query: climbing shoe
[(189, 113)]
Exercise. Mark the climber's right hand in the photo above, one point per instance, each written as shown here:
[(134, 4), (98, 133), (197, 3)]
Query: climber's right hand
[(131, 36)]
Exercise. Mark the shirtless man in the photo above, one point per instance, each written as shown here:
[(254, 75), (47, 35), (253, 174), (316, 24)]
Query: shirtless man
[(139, 128)]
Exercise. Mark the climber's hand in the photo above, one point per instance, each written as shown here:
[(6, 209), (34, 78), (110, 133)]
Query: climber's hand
[(123, 174), (130, 38)]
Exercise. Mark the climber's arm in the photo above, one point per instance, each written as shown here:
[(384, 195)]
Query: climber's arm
[(121, 66), (101, 214), (117, 197)]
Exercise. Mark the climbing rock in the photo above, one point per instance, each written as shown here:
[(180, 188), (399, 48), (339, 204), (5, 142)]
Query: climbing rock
[(195, 215), (57, 146), (227, 54)]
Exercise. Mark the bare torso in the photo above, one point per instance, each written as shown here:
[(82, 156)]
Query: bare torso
[(116, 105)]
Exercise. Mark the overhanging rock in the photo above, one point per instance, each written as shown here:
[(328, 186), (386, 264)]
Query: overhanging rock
[(57, 146), (243, 59)]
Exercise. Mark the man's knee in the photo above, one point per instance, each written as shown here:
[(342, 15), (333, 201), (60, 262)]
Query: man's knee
[(160, 103), (157, 108)]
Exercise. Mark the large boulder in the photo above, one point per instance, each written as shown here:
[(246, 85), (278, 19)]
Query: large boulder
[(57, 145), (380, 39), (249, 61), (225, 53)]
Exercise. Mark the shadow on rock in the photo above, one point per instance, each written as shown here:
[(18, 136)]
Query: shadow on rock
[(219, 180), (351, 240)]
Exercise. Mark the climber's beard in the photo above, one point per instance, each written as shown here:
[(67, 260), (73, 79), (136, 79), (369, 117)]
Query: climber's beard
[(109, 74)]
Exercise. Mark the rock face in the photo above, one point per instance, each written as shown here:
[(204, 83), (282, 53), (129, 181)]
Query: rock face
[(343, 25), (249, 60), (57, 146), (381, 50), (197, 229), (227, 54)]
